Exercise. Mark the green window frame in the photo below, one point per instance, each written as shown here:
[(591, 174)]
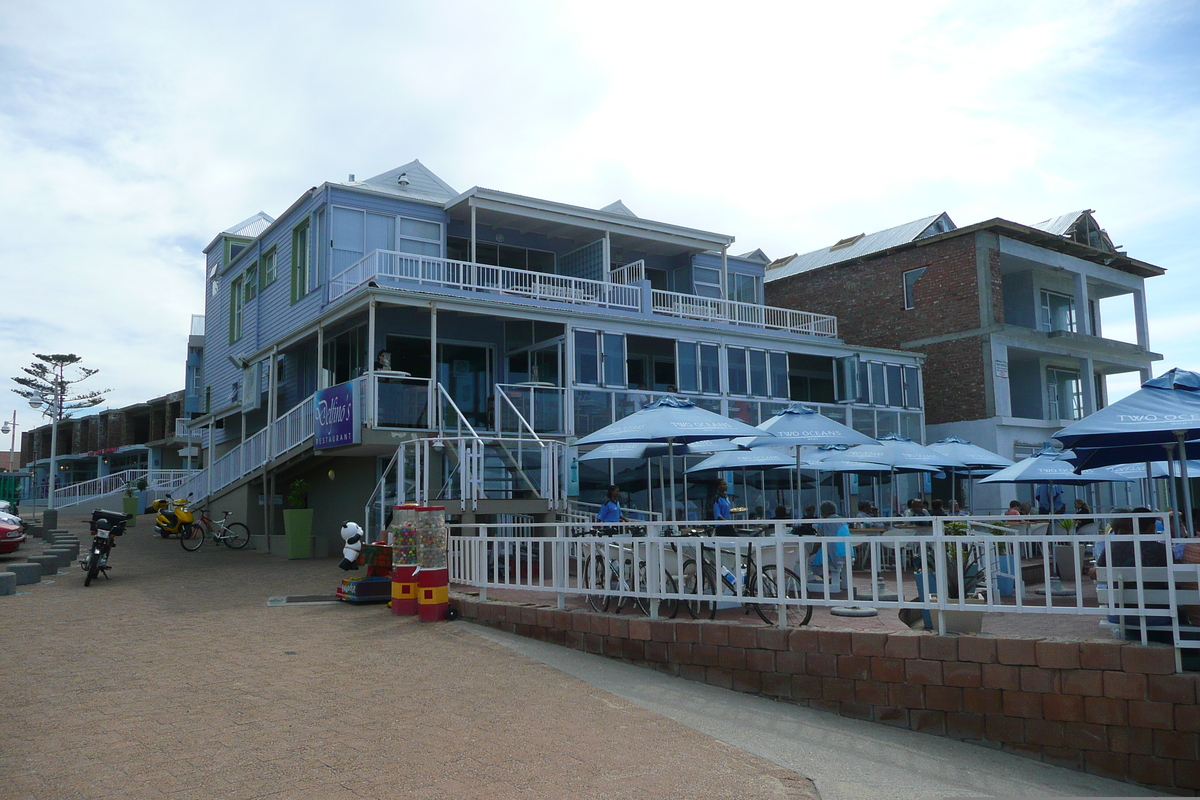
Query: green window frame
[(267, 269), (237, 302), (250, 283), (301, 274)]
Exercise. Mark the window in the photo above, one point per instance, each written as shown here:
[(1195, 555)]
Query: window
[(1058, 313), (892, 385), (302, 278), (912, 387), (600, 357), (587, 358), (267, 271), (758, 372), (710, 369), (910, 282), (743, 288), (613, 359), (846, 381), (237, 300), (737, 370), (251, 282), (1064, 394), (688, 361), (706, 282), (779, 375), (234, 248)]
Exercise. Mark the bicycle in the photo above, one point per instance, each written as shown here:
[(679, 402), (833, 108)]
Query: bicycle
[(614, 577), (796, 614), (235, 535)]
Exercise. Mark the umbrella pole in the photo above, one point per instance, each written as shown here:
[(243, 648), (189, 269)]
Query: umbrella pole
[(1187, 489), (1171, 496), (671, 455)]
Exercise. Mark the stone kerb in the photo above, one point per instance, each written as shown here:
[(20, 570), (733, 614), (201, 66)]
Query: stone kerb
[(1110, 708), (26, 572), (8, 583), (49, 564), (63, 555)]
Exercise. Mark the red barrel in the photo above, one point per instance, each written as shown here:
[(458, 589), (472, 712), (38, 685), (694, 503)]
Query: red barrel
[(433, 594), (404, 591)]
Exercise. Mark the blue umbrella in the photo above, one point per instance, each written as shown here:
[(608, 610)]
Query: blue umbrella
[(1165, 413), (799, 424), (758, 458), (672, 420), (1048, 466)]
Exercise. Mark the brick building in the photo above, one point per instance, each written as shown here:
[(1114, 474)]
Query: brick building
[(1007, 315)]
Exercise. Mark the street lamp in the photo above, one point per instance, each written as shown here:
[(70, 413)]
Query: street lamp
[(11, 427), (53, 404)]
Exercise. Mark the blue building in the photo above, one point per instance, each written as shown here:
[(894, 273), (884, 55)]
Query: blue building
[(476, 334)]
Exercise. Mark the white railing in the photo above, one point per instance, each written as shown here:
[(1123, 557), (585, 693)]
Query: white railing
[(686, 306), (118, 481), (444, 273), (630, 273), (974, 558), (293, 429), (198, 434)]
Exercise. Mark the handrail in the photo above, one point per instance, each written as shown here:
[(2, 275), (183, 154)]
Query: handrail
[(689, 306), (520, 416), (118, 481), (462, 420), (630, 273)]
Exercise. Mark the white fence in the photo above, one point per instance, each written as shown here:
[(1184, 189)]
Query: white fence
[(688, 306), (156, 479), (899, 567)]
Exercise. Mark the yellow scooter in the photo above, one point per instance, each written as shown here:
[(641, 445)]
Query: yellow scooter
[(172, 517)]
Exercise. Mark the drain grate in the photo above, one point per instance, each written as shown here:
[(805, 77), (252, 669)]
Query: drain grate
[(302, 600)]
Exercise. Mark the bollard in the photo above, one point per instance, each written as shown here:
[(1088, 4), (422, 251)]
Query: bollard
[(62, 554), (404, 591), (8, 583), (433, 594), (26, 572), (71, 547), (49, 564)]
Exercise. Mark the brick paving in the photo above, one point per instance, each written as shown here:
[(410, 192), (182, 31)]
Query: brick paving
[(176, 680)]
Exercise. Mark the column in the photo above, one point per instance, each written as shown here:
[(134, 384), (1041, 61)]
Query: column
[(1083, 316), (1143, 327), (1087, 380)]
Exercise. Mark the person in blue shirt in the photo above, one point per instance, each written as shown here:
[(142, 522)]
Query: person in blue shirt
[(721, 508), (839, 550), (611, 510)]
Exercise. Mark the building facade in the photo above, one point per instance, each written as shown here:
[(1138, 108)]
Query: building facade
[(487, 314), (1007, 316)]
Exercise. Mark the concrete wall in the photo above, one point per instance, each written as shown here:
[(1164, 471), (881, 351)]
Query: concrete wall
[(1108, 708)]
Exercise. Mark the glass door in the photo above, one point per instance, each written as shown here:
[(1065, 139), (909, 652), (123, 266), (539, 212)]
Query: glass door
[(466, 372)]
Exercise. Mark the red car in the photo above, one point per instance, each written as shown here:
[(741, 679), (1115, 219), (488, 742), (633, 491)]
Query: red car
[(11, 537)]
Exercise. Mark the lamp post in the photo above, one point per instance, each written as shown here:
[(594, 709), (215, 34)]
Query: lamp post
[(53, 410), (11, 427)]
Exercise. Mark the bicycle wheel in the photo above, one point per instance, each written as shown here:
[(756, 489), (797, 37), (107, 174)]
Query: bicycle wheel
[(93, 568), (798, 614), (668, 607), (192, 537), (625, 583), (699, 607), (595, 577), (236, 535)]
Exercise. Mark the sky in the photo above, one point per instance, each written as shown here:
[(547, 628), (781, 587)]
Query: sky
[(132, 133)]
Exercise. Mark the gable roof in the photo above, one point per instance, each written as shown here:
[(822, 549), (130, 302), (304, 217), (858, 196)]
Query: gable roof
[(420, 183), (618, 207), (250, 227), (1079, 226), (756, 255), (861, 245)]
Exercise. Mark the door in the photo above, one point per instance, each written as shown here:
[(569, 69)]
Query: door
[(466, 372)]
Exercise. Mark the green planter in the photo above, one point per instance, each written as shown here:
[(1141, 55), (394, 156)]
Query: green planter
[(297, 527), (130, 506)]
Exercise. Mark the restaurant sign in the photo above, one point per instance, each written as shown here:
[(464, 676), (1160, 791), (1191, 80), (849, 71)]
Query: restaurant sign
[(336, 417)]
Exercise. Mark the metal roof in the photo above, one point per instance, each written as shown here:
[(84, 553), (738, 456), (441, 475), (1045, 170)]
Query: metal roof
[(250, 227), (419, 184), (1060, 226), (857, 246)]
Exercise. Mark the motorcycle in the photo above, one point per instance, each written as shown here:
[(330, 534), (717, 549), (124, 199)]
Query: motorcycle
[(105, 526), (172, 517)]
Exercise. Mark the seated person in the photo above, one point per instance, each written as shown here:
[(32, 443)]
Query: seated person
[(1121, 554), (938, 509)]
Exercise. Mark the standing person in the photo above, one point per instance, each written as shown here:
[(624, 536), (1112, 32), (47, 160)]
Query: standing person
[(1050, 499), (721, 509), (611, 510)]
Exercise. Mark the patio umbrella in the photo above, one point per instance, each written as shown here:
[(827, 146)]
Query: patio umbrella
[(743, 459), (799, 424), (898, 452), (1164, 412), (1048, 466), (674, 421), (977, 459)]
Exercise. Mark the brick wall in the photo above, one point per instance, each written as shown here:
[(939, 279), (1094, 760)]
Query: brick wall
[(868, 300), (1109, 708)]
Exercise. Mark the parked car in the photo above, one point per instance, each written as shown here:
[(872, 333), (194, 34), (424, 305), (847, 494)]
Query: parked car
[(12, 533)]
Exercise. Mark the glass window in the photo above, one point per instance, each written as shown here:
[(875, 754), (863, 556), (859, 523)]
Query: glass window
[(910, 282), (420, 229), (758, 373), (689, 366), (251, 282), (737, 369), (1065, 394), (710, 369), (587, 358), (614, 360), (268, 268), (895, 385), (744, 288), (706, 282), (878, 395), (912, 387), (779, 375), (1058, 313)]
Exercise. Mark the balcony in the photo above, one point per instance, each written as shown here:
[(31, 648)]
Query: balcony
[(631, 294)]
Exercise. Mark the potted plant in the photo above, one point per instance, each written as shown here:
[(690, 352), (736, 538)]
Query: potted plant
[(960, 583), (298, 520), (131, 503), (1064, 554)]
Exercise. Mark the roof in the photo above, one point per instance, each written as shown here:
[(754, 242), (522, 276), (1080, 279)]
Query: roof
[(861, 245), (248, 228), (419, 183), (1080, 239), (757, 256)]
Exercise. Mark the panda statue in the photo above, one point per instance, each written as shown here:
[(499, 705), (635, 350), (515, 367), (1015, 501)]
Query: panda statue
[(352, 535)]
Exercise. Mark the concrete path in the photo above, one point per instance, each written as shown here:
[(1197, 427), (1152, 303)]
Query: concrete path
[(175, 679), (846, 759)]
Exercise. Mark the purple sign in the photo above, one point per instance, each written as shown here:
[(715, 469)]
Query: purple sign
[(336, 417)]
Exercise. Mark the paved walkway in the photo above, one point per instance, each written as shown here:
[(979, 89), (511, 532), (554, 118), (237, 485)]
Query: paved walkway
[(176, 680)]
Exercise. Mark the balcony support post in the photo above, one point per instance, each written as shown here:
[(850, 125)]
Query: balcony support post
[(371, 388), (434, 400), (725, 273)]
